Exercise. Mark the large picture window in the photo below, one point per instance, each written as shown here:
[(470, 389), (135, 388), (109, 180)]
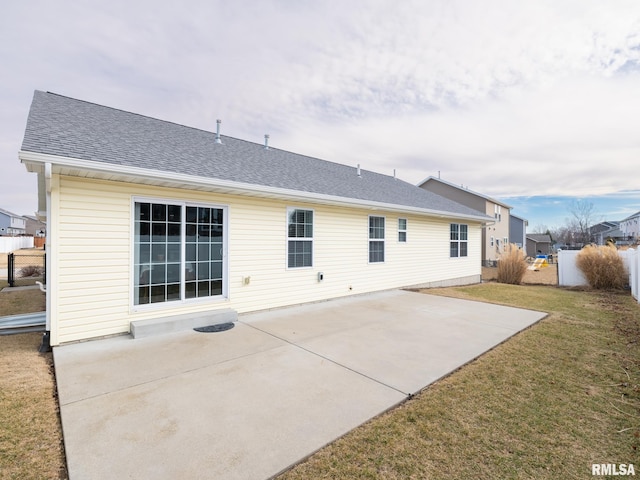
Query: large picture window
[(458, 238), (299, 238), (376, 239), (178, 252)]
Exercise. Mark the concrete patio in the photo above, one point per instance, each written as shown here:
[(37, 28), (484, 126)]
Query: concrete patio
[(251, 401)]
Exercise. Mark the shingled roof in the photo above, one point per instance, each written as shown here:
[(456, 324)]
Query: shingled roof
[(64, 127)]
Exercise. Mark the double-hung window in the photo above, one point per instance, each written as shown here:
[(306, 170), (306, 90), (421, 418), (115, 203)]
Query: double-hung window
[(402, 230), (299, 238), (458, 238), (376, 239), (178, 251)]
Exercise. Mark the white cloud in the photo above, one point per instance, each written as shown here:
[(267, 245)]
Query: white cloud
[(489, 93)]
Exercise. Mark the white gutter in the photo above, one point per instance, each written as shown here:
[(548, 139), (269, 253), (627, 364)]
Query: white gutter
[(182, 180), (48, 173)]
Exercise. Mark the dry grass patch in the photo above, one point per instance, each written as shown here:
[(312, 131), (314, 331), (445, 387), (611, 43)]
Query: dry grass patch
[(30, 437), (21, 301), (546, 404), (545, 276)]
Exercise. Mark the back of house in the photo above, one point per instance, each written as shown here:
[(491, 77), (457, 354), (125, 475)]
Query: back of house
[(149, 219)]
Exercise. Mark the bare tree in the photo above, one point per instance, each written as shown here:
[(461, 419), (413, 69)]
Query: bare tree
[(540, 228), (583, 214)]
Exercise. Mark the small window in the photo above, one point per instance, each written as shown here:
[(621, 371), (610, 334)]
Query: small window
[(376, 239), (402, 230), (458, 238), (299, 238), (492, 241), (497, 209)]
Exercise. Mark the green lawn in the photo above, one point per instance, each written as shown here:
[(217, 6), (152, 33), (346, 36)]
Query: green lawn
[(546, 404)]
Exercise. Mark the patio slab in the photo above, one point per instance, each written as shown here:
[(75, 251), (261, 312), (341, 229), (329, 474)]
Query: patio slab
[(252, 401)]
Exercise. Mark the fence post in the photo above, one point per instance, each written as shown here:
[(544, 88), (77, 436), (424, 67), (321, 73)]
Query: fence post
[(10, 273)]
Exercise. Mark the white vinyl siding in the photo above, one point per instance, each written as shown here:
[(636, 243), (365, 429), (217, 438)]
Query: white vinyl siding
[(91, 246)]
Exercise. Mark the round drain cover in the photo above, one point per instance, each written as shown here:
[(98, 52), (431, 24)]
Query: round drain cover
[(220, 327)]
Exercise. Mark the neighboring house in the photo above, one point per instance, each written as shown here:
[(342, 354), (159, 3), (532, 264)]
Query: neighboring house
[(495, 235), (630, 228), (149, 219), (538, 244), (11, 224), (518, 231), (34, 226), (606, 231)]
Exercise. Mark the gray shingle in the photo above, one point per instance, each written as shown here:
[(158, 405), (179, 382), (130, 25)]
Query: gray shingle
[(67, 127)]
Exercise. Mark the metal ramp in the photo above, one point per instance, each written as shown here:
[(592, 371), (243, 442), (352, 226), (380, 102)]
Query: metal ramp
[(28, 322)]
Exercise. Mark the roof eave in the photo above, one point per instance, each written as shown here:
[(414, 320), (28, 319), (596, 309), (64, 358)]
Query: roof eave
[(107, 171)]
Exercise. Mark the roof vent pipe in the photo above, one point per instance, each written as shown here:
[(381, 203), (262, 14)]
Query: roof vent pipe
[(266, 141), (394, 174), (358, 171), (218, 122)]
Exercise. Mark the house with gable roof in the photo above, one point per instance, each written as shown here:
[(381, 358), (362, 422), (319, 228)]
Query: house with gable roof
[(11, 224), (150, 220), (630, 228), (607, 231), (495, 235), (539, 244)]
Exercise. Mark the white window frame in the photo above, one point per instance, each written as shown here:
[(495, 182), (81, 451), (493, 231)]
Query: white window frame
[(458, 240), (497, 209), (300, 239), (224, 296), (403, 230), (377, 240)]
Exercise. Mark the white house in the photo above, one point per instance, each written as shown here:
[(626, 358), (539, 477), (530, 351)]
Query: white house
[(148, 219), (11, 224), (630, 228)]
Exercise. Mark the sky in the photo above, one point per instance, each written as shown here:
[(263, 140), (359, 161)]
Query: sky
[(534, 103)]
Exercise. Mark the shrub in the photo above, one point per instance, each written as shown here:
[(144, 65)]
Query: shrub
[(31, 271), (511, 266), (602, 266)]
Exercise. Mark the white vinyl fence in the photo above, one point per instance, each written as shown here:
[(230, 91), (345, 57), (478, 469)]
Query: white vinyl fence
[(569, 275), (9, 244)]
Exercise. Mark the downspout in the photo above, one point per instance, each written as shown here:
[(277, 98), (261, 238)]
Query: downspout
[(45, 346)]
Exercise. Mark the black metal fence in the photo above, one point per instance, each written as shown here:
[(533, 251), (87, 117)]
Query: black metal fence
[(25, 269)]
